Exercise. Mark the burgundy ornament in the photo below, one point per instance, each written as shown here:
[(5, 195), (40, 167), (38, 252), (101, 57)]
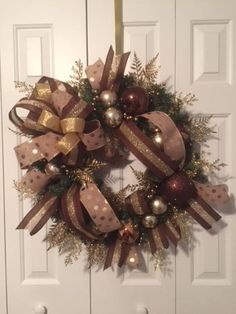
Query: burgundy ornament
[(177, 189), (134, 101)]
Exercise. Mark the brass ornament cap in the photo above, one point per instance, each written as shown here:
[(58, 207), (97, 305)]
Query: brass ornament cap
[(113, 117), (52, 169), (108, 97), (158, 205), (157, 140), (149, 221)]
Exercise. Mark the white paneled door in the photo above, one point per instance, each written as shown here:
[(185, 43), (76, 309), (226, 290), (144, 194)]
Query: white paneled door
[(205, 65), (196, 42), (37, 38)]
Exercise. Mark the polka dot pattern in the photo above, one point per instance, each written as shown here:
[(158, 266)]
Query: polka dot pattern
[(93, 139), (213, 194), (94, 73), (60, 100), (43, 146), (35, 180), (98, 208)]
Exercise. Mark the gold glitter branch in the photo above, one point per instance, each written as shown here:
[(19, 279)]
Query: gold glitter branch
[(147, 75), (23, 87), (198, 129), (60, 236), (76, 79), (87, 174), (96, 253), (24, 192), (200, 163)]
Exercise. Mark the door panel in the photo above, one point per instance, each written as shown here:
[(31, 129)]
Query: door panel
[(205, 57)]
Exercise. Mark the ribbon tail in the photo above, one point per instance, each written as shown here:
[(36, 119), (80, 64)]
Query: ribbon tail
[(114, 242), (124, 252), (120, 72), (107, 68), (157, 240), (204, 214), (171, 231), (39, 214), (215, 195)]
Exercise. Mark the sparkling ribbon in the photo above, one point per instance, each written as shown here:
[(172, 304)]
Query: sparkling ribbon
[(72, 208), (39, 214), (107, 76), (54, 106), (146, 151)]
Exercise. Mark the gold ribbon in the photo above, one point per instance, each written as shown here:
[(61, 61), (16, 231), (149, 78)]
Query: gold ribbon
[(69, 126), (118, 27)]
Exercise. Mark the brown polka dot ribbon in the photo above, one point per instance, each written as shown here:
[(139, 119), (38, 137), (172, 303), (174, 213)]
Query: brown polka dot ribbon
[(74, 204), (107, 76), (213, 194), (99, 209), (35, 180), (208, 196), (55, 109)]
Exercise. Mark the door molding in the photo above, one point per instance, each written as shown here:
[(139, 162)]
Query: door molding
[(3, 282)]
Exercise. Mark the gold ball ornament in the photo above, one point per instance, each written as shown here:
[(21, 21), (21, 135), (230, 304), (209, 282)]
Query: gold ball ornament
[(158, 205), (149, 221), (157, 139), (108, 97), (52, 169), (113, 117)]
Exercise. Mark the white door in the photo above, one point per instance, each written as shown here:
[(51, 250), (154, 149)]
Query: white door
[(37, 37), (205, 65), (197, 44)]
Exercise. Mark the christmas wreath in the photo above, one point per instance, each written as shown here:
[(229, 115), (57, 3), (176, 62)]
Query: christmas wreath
[(78, 131)]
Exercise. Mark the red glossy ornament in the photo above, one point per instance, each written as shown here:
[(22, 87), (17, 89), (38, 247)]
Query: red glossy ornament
[(134, 101), (128, 233), (177, 189)]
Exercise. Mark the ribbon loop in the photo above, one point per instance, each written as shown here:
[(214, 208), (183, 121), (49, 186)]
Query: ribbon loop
[(72, 125)]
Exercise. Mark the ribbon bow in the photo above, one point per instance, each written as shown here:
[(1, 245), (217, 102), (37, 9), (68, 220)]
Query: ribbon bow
[(55, 109)]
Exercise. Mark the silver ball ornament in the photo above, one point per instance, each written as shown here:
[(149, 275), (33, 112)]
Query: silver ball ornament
[(113, 117), (158, 205), (157, 140), (108, 97), (149, 221)]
